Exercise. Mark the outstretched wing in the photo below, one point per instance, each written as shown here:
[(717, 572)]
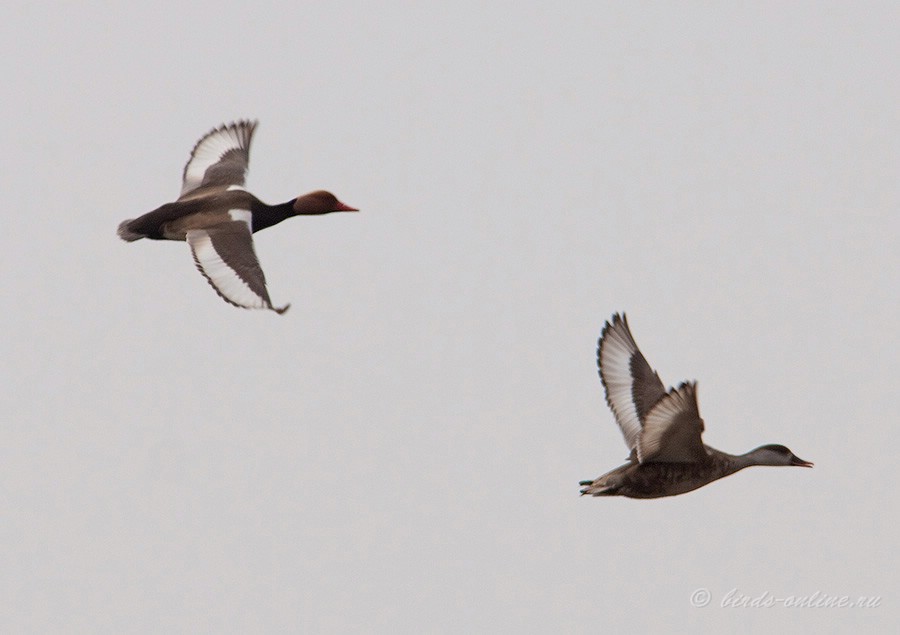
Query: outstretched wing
[(224, 255), (220, 158), (673, 428), (632, 387)]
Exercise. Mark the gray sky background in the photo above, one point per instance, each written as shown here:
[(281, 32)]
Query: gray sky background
[(401, 451)]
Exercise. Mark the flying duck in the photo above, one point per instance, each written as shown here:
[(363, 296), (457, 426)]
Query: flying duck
[(217, 216), (662, 429)]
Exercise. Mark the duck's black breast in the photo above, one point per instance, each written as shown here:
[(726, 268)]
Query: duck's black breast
[(268, 215)]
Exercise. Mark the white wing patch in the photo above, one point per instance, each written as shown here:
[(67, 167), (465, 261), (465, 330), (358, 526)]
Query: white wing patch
[(212, 148), (616, 351), (243, 215)]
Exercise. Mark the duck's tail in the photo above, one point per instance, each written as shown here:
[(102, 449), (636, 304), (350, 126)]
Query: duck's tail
[(125, 232), (596, 488)]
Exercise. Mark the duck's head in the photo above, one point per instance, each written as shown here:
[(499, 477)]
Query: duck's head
[(320, 202), (774, 454)]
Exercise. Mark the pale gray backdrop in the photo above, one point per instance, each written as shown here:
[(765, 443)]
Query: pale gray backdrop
[(401, 451)]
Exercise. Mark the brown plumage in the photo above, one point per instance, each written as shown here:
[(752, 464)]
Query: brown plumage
[(661, 428)]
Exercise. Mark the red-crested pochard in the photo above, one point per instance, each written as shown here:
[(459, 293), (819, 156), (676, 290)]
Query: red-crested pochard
[(217, 216)]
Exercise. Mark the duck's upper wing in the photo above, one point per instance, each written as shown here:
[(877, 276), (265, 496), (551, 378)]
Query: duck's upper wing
[(224, 255), (673, 428), (632, 387), (220, 158)]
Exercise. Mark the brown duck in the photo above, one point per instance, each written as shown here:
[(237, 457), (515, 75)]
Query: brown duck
[(217, 216), (662, 429)]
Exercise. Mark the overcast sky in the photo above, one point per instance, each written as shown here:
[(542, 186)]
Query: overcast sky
[(401, 451)]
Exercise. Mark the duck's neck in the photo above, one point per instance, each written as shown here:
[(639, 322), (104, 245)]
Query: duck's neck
[(759, 456), (268, 215), (731, 463), (740, 461)]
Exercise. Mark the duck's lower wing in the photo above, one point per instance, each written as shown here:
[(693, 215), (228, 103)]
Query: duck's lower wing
[(224, 255)]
